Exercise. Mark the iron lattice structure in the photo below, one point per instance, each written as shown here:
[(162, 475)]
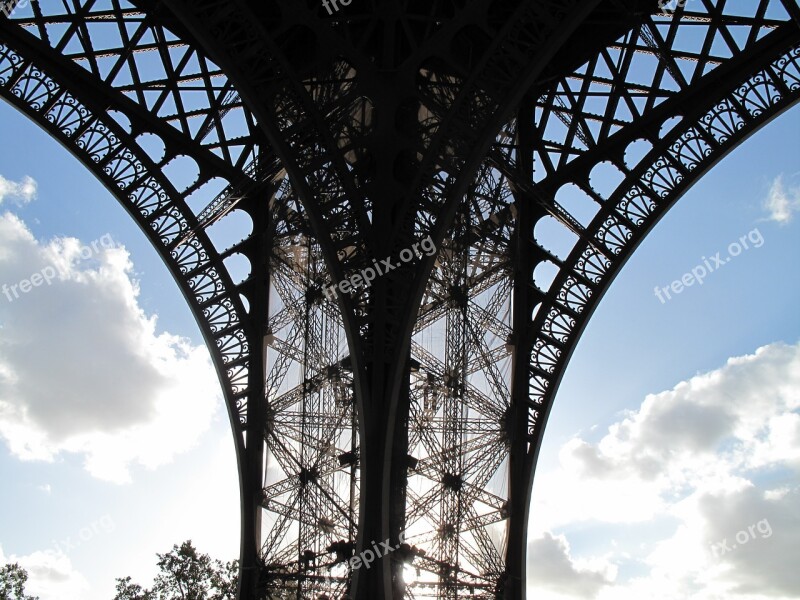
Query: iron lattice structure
[(536, 143)]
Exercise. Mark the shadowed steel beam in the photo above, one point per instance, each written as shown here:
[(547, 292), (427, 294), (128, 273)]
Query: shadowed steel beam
[(414, 404)]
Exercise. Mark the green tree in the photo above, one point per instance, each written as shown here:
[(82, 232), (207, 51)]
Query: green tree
[(132, 591), (225, 580), (12, 583), (185, 574)]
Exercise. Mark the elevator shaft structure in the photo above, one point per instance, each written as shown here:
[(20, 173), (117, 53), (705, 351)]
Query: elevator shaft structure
[(392, 220)]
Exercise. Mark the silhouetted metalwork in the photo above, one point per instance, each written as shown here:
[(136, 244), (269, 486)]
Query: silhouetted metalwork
[(536, 143)]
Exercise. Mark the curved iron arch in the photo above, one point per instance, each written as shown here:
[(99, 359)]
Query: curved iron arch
[(706, 133), (247, 47), (74, 106), (546, 337), (111, 151), (724, 114)]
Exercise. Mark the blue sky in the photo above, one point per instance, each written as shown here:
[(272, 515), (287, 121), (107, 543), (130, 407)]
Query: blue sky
[(80, 508)]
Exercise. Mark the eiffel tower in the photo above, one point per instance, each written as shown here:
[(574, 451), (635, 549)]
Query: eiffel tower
[(499, 159)]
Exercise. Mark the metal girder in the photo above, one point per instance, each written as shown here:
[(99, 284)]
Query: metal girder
[(317, 112), (418, 403), (686, 134), (71, 84), (139, 62), (688, 131)]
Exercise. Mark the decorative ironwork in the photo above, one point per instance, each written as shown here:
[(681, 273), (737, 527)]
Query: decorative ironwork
[(537, 143)]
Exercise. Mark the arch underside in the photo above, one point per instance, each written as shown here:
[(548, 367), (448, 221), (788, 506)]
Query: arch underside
[(655, 108), (117, 102)]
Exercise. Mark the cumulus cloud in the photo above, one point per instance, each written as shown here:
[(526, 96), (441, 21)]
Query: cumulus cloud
[(554, 570), (781, 203), (753, 540), (82, 367), (50, 575), (687, 487), (23, 191)]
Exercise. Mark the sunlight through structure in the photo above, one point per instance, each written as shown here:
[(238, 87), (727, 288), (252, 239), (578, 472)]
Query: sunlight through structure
[(387, 435)]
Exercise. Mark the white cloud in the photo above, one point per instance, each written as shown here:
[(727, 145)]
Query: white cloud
[(50, 575), (82, 368), (782, 203), (22, 192), (557, 573), (715, 457)]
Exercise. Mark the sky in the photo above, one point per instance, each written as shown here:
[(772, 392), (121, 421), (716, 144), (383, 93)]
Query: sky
[(671, 462)]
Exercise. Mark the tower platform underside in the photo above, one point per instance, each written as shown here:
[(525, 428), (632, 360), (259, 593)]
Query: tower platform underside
[(430, 200)]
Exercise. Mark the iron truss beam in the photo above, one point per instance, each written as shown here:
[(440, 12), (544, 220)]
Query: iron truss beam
[(678, 139), (317, 109), (655, 130), (416, 404), (144, 109)]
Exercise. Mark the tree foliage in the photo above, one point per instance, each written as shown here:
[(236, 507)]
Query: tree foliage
[(185, 574), (12, 583), (131, 591)]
